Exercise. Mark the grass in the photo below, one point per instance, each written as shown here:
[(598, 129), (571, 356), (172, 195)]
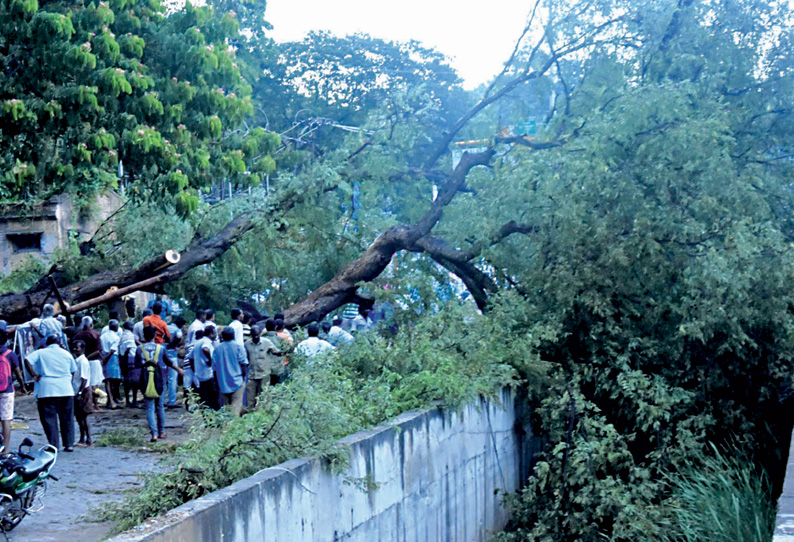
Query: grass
[(124, 437), (133, 438), (722, 499)]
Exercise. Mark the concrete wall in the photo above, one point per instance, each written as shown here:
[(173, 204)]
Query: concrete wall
[(426, 476), (784, 526)]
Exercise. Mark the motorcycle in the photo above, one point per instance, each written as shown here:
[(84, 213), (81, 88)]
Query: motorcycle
[(23, 479)]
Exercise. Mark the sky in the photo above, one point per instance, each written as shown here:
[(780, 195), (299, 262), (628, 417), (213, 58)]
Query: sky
[(478, 37)]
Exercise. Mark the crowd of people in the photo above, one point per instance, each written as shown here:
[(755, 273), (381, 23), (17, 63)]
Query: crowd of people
[(76, 370)]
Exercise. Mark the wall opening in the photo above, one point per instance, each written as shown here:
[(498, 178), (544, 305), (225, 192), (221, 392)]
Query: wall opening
[(25, 242)]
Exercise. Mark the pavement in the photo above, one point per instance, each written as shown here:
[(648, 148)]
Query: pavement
[(90, 476)]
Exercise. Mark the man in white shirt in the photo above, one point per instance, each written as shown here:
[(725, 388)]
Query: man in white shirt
[(362, 322), (313, 346), (237, 326), (198, 324), (112, 315), (202, 368), (52, 368), (337, 335), (50, 326)]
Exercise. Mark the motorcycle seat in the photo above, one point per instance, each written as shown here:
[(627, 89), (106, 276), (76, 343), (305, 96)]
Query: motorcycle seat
[(42, 460)]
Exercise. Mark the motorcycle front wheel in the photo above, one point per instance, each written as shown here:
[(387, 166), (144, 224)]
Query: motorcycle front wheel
[(13, 514)]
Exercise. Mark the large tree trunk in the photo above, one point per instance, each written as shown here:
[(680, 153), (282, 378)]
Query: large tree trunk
[(14, 307)]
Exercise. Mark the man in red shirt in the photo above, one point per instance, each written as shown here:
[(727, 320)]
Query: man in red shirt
[(161, 334)]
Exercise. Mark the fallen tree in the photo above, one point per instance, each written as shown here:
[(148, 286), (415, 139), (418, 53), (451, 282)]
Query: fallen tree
[(343, 287), (15, 307)]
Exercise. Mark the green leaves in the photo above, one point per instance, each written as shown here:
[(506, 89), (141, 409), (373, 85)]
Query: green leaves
[(51, 26), (159, 91), (15, 108)]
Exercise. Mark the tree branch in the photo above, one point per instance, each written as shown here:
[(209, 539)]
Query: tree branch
[(479, 284), (342, 288)]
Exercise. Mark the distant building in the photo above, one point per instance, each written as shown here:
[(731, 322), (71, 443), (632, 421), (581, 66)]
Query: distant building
[(40, 230)]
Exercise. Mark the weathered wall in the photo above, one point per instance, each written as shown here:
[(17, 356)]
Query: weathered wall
[(54, 220), (426, 476)]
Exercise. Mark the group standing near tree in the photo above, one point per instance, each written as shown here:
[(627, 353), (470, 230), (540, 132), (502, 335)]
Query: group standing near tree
[(73, 367)]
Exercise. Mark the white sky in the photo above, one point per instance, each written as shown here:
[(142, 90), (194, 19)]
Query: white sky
[(478, 37)]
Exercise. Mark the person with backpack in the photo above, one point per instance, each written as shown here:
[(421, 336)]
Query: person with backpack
[(9, 365), (154, 360)]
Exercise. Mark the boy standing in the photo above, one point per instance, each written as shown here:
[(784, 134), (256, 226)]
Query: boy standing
[(83, 394)]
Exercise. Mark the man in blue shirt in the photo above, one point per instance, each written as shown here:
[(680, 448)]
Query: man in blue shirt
[(230, 365), (202, 368)]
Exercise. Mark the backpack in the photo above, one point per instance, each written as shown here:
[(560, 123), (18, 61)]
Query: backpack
[(5, 370), (150, 369)]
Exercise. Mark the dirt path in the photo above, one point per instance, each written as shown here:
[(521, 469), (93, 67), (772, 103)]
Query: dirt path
[(91, 476)]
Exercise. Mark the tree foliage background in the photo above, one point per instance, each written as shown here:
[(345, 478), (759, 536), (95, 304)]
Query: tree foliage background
[(633, 260)]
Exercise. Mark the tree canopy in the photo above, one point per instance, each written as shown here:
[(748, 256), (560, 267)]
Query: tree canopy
[(90, 87)]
